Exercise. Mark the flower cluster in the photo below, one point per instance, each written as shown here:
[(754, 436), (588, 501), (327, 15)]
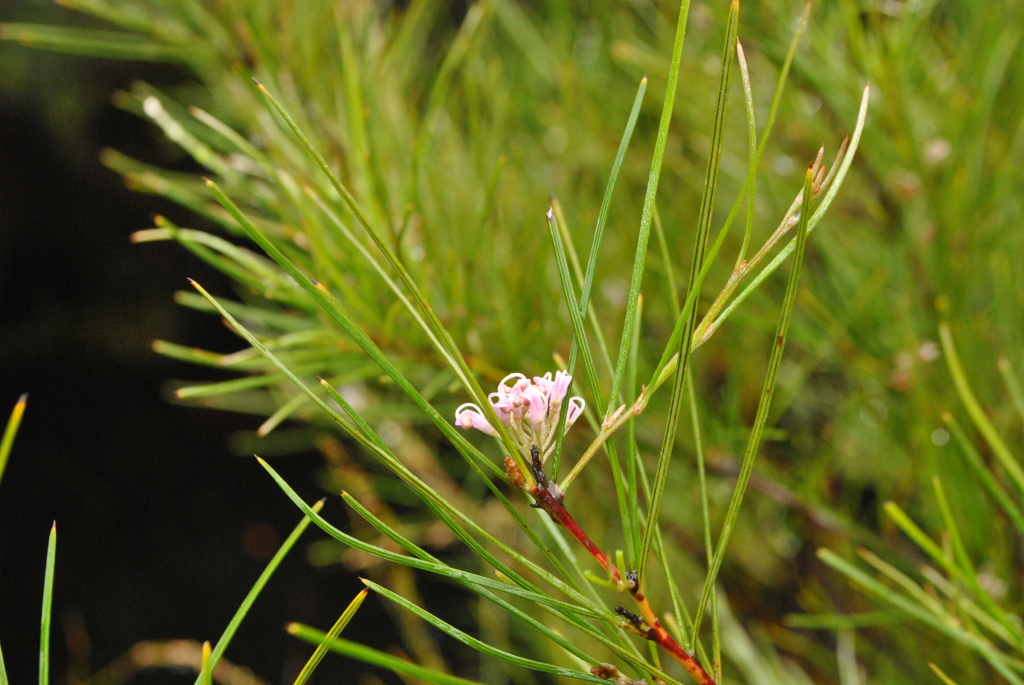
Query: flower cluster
[(529, 408)]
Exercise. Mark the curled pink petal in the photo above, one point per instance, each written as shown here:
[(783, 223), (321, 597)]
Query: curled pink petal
[(538, 404), (544, 382), (501, 407), (559, 388), (503, 390), (576, 406), (469, 416)]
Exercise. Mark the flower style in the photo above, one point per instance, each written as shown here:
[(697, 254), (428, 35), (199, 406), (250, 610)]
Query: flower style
[(529, 408)]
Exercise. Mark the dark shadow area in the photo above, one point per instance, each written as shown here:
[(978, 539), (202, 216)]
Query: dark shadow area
[(151, 508)]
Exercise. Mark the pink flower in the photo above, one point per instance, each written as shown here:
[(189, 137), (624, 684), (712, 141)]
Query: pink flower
[(576, 407), (469, 416), (529, 408)]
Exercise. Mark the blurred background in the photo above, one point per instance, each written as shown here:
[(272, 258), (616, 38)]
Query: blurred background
[(163, 519), (162, 529)]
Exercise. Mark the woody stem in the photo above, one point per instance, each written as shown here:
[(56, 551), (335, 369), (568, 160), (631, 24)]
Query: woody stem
[(549, 498)]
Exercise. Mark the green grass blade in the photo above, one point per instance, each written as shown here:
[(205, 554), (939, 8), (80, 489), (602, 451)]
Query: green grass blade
[(374, 657), (666, 264), (997, 660), (93, 43), (819, 213), (698, 446), (3, 670), (436, 567), (257, 588), (967, 566), (602, 220), (920, 538), (375, 446), (205, 666), (478, 645), (44, 631), (332, 634), (753, 444), (334, 309), (562, 609), (985, 474), (7, 442), (650, 197), (633, 531), (974, 410), (448, 347), (748, 101), (707, 205), (580, 344), (1012, 385), (946, 680)]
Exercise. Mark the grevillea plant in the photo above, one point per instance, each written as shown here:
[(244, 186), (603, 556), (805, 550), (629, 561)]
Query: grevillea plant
[(336, 215)]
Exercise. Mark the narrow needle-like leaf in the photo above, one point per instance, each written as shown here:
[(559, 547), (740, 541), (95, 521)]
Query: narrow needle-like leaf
[(985, 474), (650, 197), (206, 666), (588, 281), (317, 656), (44, 633), (10, 431), (707, 206), (1012, 385), (257, 588), (754, 442), (974, 410), (374, 657), (478, 645)]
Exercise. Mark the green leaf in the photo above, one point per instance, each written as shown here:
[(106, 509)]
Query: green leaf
[(257, 588), (429, 565), (754, 442), (374, 657), (476, 644), (1012, 385), (44, 632), (447, 347), (205, 666), (93, 43), (985, 474), (974, 410), (650, 197), (969, 574), (440, 506), (588, 281), (317, 656), (7, 442), (580, 344), (833, 189), (754, 157), (867, 619), (997, 660), (707, 205), (942, 676)]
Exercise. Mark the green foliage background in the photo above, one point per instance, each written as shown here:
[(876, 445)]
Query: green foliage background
[(453, 127)]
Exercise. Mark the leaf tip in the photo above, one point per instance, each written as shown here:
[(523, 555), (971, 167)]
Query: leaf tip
[(291, 628)]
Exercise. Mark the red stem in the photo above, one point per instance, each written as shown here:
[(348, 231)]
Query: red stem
[(549, 498)]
